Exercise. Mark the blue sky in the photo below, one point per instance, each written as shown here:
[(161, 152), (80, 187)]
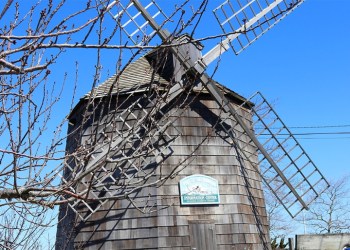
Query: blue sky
[(302, 65)]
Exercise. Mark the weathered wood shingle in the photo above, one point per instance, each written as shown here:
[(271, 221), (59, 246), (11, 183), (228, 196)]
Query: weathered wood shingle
[(238, 222)]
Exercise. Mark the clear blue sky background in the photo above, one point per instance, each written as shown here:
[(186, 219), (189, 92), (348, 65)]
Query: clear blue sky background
[(303, 66)]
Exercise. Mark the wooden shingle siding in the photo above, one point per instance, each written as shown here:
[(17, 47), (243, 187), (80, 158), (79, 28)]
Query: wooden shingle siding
[(239, 221)]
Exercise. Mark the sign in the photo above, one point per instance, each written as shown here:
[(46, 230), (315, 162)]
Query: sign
[(199, 190)]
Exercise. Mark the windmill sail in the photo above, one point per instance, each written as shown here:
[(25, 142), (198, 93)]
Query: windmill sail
[(244, 21), (290, 157), (134, 25), (118, 154)]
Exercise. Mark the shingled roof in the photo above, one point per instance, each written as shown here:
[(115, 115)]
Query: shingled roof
[(135, 78), (138, 75)]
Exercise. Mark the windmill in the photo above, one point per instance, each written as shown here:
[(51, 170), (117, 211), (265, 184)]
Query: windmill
[(123, 153)]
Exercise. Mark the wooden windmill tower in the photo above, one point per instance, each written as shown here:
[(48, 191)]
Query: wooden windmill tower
[(174, 160)]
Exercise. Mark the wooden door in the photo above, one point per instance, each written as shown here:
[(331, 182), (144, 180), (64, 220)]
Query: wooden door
[(202, 235)]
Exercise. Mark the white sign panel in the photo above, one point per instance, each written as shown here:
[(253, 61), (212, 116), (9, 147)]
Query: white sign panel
[(199, 190)]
